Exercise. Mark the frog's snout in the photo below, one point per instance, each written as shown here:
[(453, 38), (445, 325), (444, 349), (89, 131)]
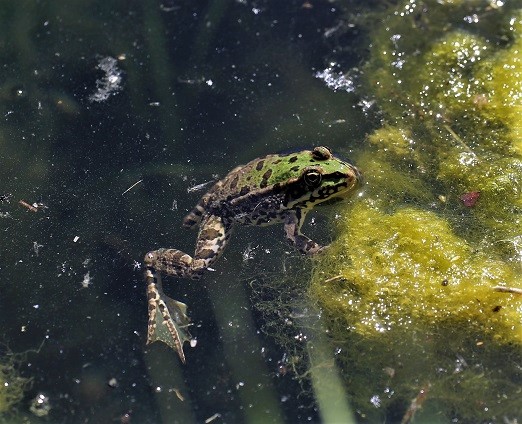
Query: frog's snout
[(359, 177), (354, 177)]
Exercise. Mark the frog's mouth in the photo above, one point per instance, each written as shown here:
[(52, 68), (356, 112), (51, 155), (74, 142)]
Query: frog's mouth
[(348, 190), (332, 201)]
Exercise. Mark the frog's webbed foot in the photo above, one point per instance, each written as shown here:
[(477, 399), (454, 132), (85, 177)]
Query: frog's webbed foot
[(293, 234), (168, 320)]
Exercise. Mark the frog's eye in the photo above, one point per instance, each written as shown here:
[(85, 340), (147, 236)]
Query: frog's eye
[(312, 178), (322, 153)]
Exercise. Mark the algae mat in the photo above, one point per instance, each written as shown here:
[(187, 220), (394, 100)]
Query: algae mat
[(412, 288)]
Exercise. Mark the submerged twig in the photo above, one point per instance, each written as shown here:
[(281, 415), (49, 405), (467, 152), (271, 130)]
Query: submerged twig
[(212, 418), (132, 186), (199, 186), (337, 277), (503, 289), (415, 404), (28, 206), (459, 140)]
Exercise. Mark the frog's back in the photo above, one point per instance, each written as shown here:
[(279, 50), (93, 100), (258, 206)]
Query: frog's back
[(256, 174)]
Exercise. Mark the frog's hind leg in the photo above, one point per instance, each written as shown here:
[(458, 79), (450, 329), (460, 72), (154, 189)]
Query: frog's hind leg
[(167, 317), (212, 238), (195, 216)]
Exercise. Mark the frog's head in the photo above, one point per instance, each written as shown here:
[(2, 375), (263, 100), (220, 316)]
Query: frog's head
[(319, 176)]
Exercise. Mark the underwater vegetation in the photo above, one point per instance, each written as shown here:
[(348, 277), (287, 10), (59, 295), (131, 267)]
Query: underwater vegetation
[(407, 289), (12, 385)]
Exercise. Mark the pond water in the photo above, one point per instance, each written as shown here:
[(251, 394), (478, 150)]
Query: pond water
[(116, 117)]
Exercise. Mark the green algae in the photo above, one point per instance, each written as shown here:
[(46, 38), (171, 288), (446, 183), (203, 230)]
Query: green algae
[(12, 385), (407, 289), (459, 100), (410, 267)]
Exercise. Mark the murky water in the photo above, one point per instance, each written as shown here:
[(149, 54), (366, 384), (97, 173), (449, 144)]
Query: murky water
[(116, 116), (97, 96)]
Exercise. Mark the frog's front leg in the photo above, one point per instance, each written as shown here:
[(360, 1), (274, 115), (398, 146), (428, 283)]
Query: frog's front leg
[(293, 222), (167, 317)]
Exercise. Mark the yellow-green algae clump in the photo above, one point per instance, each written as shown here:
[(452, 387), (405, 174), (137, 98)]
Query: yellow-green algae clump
[(409, 267), (408, 287), (407, 300)]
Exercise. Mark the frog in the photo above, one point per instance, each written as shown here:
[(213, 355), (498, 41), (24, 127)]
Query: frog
[(277, 188)]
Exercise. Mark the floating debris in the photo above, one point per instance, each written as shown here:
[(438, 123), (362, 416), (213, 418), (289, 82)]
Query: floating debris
[(32, 208), (126, 418), (132, 186), (178, 393), (40, 405), (213, 417), (416, 404), (113, 382), (5, 197), (503, 289), (36, 247), (169, 6), (336, 80), (191, 81), (199, 186), (249, 253), (470, 199), (87, 280), (110, 83)]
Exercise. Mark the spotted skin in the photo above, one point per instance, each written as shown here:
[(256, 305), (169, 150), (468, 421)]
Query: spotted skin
[(278, 188)]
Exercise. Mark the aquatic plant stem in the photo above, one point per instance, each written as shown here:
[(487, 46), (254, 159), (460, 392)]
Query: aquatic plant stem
[(171, 392), (243, 350), (330, 394)]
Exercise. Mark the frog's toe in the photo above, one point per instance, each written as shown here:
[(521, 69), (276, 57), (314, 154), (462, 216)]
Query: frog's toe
[(150, 258), (319, 250)]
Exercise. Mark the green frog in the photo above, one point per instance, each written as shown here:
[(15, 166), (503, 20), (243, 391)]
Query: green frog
[(279, 188)]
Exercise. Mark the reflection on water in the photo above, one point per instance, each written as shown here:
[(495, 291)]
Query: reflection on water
[(112, 113)]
